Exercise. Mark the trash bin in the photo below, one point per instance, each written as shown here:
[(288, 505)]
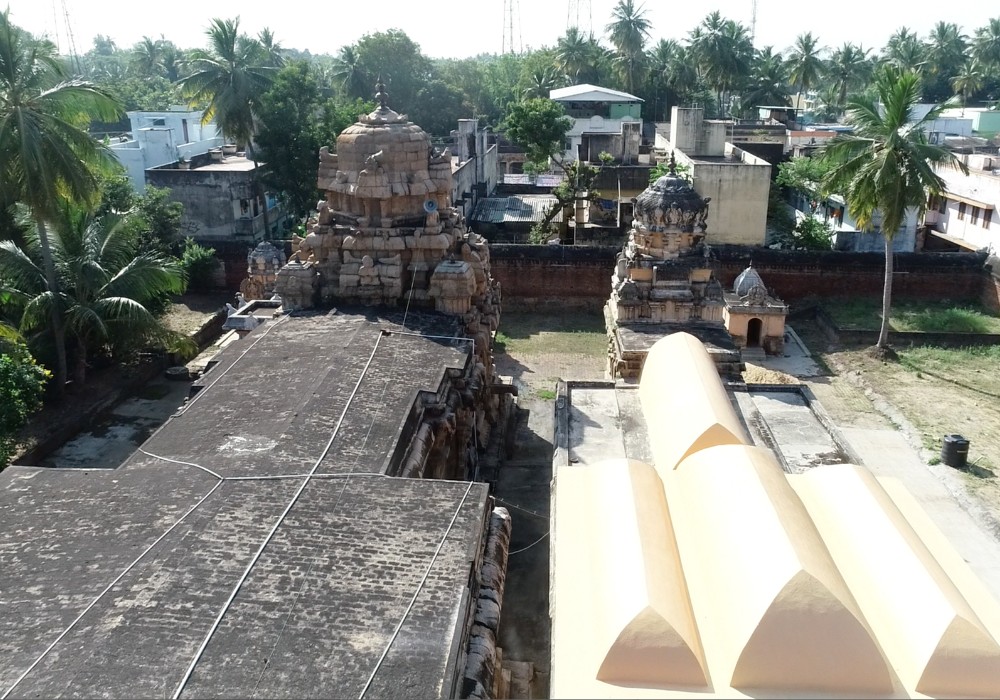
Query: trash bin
[(955, 451)]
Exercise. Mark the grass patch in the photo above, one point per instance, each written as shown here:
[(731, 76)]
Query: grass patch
[(914, 316), (546, 394), (565, 333), (973, 368)]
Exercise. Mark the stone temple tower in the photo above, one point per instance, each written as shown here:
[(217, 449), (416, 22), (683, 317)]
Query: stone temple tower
[(387, 233)]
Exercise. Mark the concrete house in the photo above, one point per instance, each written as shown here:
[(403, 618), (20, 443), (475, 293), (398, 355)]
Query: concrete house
[(603, 120), (964, 216), (737, 181), (161, 138)]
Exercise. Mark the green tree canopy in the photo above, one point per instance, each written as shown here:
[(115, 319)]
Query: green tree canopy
[(886, 165), (22, 383), (539, 126)]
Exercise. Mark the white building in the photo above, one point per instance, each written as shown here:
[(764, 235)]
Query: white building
[(964, 216), (161, 138), (604, 120)]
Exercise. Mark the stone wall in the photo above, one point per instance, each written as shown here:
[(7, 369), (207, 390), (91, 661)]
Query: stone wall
[(567, 277)]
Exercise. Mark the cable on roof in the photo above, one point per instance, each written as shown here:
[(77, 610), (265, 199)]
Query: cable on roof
[(277, 524), (525, 549), (179, 461), (235, 362), (423, 580), (111, 585)]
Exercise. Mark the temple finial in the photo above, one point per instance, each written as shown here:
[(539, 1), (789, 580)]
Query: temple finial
[(672, 165), (380, 94)]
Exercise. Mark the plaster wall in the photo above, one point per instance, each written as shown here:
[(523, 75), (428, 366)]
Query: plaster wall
[(772, 325), (685, 128)]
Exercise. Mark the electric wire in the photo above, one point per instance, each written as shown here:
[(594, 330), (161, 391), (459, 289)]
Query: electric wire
[(274, 528), (420, 586), (525, 549), (111, 585)]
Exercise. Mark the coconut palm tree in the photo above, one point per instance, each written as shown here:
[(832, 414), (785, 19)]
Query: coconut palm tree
[(573, 53), (805, 64), (628, 31), (231, 76), (723, 51), (147, 57), (45, 157), (272, 49), (848, 68), (541, 83), (107, 284), (768, 83), (886, 165), (986, 44), (904, 51), (348, 73), (968, 81)]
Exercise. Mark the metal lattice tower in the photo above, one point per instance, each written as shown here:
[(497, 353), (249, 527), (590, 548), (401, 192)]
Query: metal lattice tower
[(512, 42), (580, 15), (753, 20)]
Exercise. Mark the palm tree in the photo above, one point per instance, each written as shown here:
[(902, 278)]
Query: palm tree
[(573, 53), (723, 51), (44, 156), (349, 74), (968, 81), (848, 68), (904, 51), (804, 64), (541, 83), (107, 285), (886, 165), (231, 76), (986, 44), (768, 80), (628, 31), (147, 57), (272, 49)]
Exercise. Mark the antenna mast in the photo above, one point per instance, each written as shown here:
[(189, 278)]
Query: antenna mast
[(512, 42), (753, 20), (579, 15)]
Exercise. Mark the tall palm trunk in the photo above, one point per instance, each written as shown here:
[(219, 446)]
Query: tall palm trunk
[(58, 330), (883, 333)]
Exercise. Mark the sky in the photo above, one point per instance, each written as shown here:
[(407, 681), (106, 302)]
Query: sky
[(462, 28)]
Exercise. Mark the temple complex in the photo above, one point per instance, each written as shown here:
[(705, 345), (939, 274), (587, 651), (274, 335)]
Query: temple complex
[(316, 520), (664, 282)]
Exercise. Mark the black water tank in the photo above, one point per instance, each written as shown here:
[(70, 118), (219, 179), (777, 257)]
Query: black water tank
[(955, 451)]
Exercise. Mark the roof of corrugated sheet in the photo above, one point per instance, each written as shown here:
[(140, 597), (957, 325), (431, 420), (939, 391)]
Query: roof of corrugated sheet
[(518, 208)]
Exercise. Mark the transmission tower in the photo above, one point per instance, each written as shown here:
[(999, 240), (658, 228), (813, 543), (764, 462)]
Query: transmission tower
[(753, 20), (74, 56), (579, 15), (512, 42)]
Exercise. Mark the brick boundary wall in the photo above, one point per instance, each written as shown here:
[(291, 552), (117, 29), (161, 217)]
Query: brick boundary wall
[(580, 277), (553, 277)]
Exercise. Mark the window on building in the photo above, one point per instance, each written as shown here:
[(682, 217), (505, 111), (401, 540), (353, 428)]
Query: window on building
[(961, 210), (975, 216), (987, 217), (159, 122), (942, 205)]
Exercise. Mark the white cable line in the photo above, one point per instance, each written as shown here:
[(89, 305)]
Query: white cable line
[(235, 362), (333, 510), (108, 588), (274, 528), (416, 593), (521, 508), (276, 477), (524, 549), (179, 461)]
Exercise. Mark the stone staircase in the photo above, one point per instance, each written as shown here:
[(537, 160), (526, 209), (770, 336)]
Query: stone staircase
[(753, 355)]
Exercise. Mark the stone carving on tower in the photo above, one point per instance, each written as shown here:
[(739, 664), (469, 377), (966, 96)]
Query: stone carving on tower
[(387, 234)]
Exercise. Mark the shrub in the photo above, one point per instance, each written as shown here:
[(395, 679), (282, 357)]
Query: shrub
[(22, 381), (199, 264)]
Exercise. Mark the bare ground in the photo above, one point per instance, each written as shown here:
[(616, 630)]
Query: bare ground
[(925, 395)]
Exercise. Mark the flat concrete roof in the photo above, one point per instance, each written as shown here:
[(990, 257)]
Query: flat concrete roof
[(161, 576)]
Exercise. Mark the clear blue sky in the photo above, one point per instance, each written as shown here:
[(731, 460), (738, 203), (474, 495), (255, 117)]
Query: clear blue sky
[(460, 28)]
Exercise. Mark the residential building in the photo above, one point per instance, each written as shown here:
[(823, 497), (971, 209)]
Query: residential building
[(474, 165), (604, 121), (161, 138), (847, 235), (219, 197), (964, 216), (737, 181)]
